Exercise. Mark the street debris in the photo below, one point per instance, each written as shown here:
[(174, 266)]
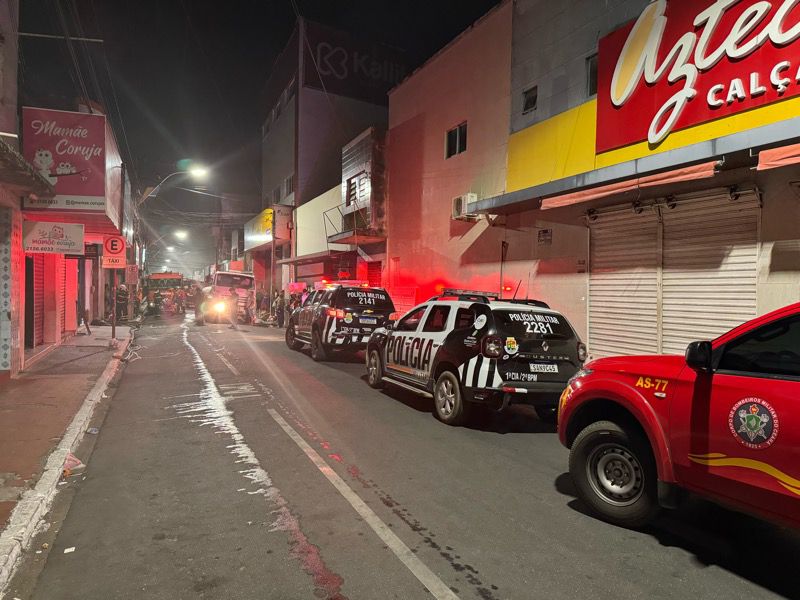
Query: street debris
[(72, 466), (93, 430), (45, 546), (69, 550)]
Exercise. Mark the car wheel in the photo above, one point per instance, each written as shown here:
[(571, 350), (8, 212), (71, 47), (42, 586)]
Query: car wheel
[(448, 400), (615, 474), (547, 414), (291, 340), (318, 352), (374, 369)]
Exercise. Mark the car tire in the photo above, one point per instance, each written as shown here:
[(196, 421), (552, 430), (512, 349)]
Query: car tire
[(615, 474), (318, 350), (448, 400), (291, 340), (374, 369), (547, 414)]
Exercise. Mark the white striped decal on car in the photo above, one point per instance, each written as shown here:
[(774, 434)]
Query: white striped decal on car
[(480, 372)]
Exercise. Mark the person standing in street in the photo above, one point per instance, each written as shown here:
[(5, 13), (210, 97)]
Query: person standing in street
[(198, 305), (234, 308), (280, 309), (250, 307)]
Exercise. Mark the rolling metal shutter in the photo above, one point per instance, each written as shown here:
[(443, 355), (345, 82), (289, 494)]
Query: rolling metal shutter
[(38, 299), (710, 257), (623, 283)]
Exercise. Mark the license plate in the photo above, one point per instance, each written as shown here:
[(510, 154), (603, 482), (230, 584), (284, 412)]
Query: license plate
[(540, 368), (368, 321)]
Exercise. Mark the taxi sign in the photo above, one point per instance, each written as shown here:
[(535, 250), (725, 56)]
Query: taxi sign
[(114, 252)]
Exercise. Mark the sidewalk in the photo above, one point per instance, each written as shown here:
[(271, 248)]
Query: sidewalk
[(43, 415)]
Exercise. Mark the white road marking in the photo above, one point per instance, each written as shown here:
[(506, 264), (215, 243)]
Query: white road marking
[(427, 577), (231, 368)]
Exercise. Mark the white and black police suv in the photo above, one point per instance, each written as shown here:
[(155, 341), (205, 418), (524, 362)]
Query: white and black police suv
[(465, 348), (338, 317)]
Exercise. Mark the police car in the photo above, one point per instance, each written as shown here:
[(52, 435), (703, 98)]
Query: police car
[(465, 348), (338, 316)]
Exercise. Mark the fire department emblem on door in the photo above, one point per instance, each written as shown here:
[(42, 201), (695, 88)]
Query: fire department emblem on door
[(754, 423)]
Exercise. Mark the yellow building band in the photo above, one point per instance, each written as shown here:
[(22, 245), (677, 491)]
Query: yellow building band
[(564, 145)]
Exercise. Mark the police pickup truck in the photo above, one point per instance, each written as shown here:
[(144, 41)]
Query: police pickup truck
[(465, 348)]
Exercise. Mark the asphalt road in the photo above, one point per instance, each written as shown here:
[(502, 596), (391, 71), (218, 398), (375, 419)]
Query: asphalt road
[(229, 466)]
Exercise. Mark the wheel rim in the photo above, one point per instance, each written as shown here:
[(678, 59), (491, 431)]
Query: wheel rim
[(615, 474), (372, 368), (446, 397)]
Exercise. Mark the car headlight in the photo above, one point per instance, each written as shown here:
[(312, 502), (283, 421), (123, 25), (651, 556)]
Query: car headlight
[(580, 374), (219, 307)]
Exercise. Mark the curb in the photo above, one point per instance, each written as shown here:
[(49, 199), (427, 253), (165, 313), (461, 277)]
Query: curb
[(35, 503)]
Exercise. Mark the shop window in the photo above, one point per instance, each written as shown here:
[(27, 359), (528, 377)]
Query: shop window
[(530, 99), (288, 186), (456, 140), (591, 75)]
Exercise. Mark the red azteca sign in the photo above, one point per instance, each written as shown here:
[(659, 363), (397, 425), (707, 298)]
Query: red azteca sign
[(686, 62)]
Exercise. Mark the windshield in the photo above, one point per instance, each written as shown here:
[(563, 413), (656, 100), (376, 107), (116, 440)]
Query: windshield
[(367, 298), (530, 325), (229, 280)]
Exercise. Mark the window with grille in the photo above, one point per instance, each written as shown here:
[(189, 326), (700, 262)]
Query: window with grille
[(356, 188), (456, 141), (591, 75), (530, 99), (288, 186)]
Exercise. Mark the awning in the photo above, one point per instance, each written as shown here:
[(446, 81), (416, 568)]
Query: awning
[(312, 258), (778, 157), (17, 173), (701, 171)]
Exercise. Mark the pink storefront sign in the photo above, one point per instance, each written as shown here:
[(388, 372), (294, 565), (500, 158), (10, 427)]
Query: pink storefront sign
[(69, 150)]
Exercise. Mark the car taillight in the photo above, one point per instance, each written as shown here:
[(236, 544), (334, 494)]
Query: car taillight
[(582, 354), (331, 312), (339, 313), (492, 346), (394, 316)]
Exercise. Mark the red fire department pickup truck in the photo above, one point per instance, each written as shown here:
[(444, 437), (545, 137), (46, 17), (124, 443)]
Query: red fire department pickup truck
[(722, 422)]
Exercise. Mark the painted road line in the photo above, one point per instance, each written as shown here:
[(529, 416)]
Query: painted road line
[(427, 577), (225, 361)]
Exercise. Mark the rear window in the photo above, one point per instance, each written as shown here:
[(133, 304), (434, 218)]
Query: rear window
[(529, 325), (366, 297), (230, 280)]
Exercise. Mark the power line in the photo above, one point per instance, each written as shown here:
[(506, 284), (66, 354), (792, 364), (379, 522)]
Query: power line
[(73, 55)]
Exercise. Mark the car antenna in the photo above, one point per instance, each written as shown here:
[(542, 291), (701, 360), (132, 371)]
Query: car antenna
[(519, 283)]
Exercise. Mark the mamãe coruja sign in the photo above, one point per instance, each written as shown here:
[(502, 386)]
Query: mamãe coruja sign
[(68, 149), (52, 238)]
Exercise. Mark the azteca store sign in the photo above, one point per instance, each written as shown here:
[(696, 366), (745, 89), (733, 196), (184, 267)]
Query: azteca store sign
[(687, 62)]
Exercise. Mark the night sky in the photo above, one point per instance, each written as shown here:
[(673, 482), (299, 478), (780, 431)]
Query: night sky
[(188, 73)]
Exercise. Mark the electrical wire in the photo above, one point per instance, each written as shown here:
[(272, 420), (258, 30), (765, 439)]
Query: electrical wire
[(73, 55)]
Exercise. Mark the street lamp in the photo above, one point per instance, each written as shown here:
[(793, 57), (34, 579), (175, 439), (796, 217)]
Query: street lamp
[(170, 248), (195, 172), (181, 234)]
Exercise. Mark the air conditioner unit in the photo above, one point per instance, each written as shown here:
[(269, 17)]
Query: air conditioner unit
[(460, 210)]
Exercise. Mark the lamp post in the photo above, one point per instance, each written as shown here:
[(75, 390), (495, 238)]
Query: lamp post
[(195, 172)]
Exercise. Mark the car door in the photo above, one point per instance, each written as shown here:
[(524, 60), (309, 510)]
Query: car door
[(398, 345), (307, 314), (438, 322), (737, 430)]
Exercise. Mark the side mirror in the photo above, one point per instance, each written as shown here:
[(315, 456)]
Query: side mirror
[(698, 356)]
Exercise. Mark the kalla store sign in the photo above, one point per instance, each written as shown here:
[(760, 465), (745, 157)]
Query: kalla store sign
[(687, 62), (68, 149), (52, 238)]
